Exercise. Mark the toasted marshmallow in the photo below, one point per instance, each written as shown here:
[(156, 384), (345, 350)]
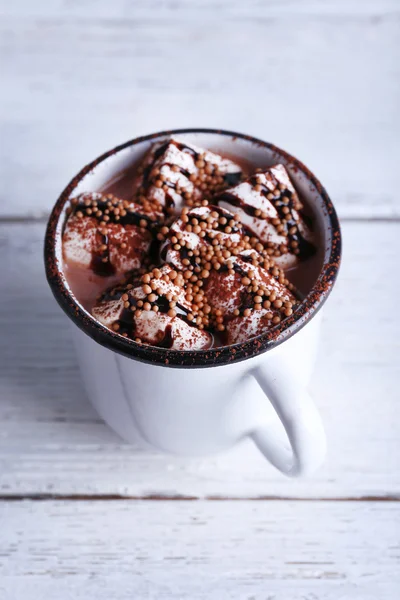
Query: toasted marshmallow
[(177, 173), (99, 248), (270, 208), (128, 310)]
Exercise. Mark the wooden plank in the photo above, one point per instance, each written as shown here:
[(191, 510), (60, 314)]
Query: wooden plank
[(198, 550), (51, 441), (321, 82), (154, 9)]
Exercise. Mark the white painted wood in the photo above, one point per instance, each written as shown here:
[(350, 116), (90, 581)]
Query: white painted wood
[(170, 9), (199, 550), (318, 77), (321, 79), (51, 441)]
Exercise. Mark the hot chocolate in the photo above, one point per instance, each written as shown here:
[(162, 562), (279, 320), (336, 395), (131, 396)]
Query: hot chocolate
[(196, 254)]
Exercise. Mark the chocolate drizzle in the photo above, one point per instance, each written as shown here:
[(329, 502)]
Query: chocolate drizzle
[(126, 321), (245, 296), (169, 201), (237, 268), (187, 149), (100, 263), (159, 152), (168, 339), (181, 312), (230, 179), (184, 253), (147, 181), (247, 258), (233, 200), (221, 211), (306, 249)]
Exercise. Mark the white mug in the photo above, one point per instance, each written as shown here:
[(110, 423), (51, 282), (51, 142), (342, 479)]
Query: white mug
[(202, 402)]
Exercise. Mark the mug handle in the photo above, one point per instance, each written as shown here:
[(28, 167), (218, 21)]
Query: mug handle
[(299, 417)]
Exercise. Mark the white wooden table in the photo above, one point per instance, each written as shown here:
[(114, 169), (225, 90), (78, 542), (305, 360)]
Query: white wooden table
[(83, 515)]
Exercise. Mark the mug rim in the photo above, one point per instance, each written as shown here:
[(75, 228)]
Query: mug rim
[(219, 356)]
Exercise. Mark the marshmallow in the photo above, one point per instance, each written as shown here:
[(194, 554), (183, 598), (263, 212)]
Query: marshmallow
[(128, 310), (228, 289), (270, 208), (176, 173), (240, 329), (99, 248)]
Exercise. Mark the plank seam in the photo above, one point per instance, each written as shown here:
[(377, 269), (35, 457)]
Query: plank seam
[(187, 498)]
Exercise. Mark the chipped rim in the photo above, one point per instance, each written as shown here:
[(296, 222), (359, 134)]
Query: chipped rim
[(196, 358)]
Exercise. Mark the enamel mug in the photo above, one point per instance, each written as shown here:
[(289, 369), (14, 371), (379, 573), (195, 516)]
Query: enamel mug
[(201, 402)]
